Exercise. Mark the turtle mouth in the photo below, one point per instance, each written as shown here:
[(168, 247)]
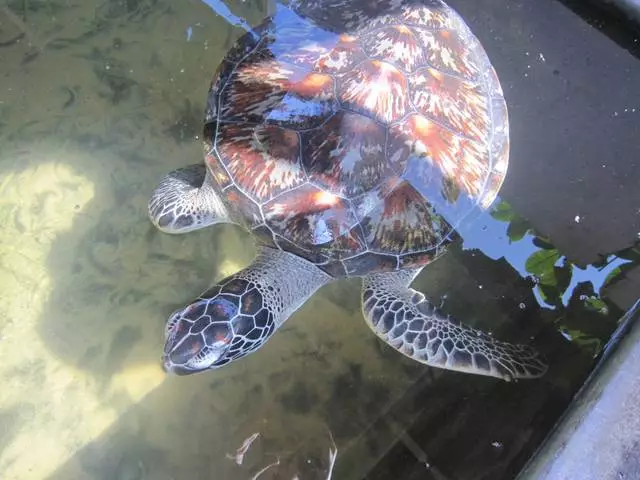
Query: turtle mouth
[(181, 359), (169, 367), (193, 342), (200, 363)]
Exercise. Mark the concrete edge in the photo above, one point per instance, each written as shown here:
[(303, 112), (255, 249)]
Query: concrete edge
[(594, 435), (630, 8)]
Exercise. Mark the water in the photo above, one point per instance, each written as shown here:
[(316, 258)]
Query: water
[(99, 99)]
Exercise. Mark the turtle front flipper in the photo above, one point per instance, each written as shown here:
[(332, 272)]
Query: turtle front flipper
[(408, 322), (239, 314), (185, 201)]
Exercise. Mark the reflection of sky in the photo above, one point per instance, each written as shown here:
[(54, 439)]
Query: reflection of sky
[(295, 109), (426, 178), (219, 7), (479, 231), (489, 235)]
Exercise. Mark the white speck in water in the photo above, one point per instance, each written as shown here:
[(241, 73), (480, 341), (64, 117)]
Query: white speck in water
[(526, 74), (526, 53), (480, 287), (496, 444), (577, 219), (615, 114), (107, 67), (189, 33), (442, 299), (541, 57), (522, 306), (528, 66), (182, 70)]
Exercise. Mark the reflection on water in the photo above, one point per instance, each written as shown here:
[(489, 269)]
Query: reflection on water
[(98, 99)]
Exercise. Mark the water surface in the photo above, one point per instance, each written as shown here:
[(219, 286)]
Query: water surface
[(99, 99)]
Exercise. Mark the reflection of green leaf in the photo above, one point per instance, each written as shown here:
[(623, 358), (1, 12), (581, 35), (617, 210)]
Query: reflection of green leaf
[(617, 274), (585, 341), (597, 304), (612, 277), (517, 229), (563, 276), (549, 294), (547, 278), (542, 261), (553, 283), (503, 212), (542, 243)]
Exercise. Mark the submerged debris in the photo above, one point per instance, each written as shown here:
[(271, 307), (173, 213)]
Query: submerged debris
[(255, 477), (238, 457), (333, 455)]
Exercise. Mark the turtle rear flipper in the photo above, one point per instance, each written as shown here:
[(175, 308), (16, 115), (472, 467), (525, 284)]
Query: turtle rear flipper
[(408, 322), (185, 200)]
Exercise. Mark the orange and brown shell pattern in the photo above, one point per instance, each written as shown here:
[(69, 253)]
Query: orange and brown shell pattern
[(357, 134)]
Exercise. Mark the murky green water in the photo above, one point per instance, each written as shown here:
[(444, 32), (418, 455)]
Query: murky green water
[(98, 100)]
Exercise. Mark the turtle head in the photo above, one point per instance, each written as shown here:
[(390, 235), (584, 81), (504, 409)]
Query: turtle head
[(193, 341), (216, 329)]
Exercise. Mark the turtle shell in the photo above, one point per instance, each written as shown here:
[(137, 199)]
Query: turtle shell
[(357, 134)]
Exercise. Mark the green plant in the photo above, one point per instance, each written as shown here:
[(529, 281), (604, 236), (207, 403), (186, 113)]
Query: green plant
[(553, 273)]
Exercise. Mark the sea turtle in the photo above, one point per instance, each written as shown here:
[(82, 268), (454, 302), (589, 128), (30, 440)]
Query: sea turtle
[(350, 138)]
